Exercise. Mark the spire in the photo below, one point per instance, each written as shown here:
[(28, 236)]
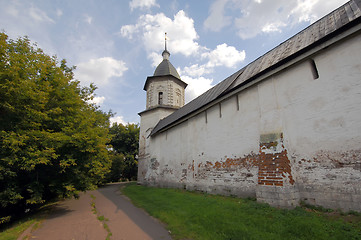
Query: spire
[(165, 53)]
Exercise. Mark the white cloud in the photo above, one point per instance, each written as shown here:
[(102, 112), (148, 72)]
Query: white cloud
[(156, 58), (59, 12), (311, 10), (224, 55), (97, 100), (216, 20), (273, 27), (88, 19), (182, 37), (39, 15), (257, 17), (117, 119), (196, 86), (143, 4), (151, 28), (195, 70), (99, 70)]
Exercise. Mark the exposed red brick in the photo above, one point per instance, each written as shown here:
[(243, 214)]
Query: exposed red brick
[(274, 166)]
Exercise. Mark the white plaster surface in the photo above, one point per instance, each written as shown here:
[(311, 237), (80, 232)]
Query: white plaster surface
[(320, 120)]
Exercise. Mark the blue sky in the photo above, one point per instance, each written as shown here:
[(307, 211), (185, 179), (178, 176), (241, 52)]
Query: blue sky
[(116, 44)]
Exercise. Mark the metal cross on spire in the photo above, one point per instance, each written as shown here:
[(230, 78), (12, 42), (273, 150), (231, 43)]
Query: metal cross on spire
[(165, 53)]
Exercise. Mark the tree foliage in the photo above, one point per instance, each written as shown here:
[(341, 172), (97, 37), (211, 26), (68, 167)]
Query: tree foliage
[(52, 140), (124, 140)]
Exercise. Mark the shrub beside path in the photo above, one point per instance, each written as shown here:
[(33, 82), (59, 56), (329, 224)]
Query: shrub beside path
[(76, 219)]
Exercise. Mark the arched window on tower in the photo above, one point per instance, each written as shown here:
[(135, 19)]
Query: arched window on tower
[(160, 98)]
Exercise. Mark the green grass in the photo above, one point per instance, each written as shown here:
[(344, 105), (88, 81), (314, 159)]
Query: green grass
[(13, 230), (191, 215), (101, 218), (16, 229)]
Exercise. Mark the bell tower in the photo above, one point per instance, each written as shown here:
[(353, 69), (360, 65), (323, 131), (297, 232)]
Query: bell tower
[(165, 94), (165, 88)]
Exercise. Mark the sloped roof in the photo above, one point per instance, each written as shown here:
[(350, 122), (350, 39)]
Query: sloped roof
[(166, 68), (336, 22), (198, 102)]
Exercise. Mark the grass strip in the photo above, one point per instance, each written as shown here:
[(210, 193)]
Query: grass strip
[(192, 215), (101, 218), (16, 229), (13, 231)]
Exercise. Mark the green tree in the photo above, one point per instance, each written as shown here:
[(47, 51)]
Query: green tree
[(124, 140), (52, 140)]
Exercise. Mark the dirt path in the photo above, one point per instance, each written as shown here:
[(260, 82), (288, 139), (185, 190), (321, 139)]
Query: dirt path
[(74, 220)]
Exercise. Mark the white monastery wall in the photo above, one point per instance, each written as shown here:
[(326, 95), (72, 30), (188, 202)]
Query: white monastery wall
[(147, 123), (289, 138)]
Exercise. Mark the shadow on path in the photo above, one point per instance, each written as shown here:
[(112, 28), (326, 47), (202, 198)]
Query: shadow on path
[(74, 219), (59, 210), (71, 219)]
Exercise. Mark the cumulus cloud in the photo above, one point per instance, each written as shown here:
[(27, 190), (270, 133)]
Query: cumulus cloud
[(117, 119), (151, 28), (310, 10), (257, 17), (97, 100), (224, 55), (156, 58), (143, 4), (273, 27), (194, 70), (196, 86), (182, 39), (99, 70)]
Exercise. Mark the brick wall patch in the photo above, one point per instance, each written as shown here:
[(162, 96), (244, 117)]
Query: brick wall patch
[(274, 167)]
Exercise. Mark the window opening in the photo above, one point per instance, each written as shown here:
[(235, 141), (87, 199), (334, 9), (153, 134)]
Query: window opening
[(220, 110), (160, 98), (237, 102), (314, 69)]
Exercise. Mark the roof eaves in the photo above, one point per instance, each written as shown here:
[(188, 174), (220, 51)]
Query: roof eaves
[(158, 107), (149, 78)]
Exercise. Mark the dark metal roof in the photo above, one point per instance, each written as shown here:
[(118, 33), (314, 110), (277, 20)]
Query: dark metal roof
[(198, 102), (338, 21), (317, 33), (166, 68)]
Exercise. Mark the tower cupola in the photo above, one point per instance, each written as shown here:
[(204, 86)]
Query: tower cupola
[(165, 88)]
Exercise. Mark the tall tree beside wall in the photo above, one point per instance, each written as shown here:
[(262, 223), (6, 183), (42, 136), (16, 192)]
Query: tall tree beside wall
[(52, 140), (124, 140)]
